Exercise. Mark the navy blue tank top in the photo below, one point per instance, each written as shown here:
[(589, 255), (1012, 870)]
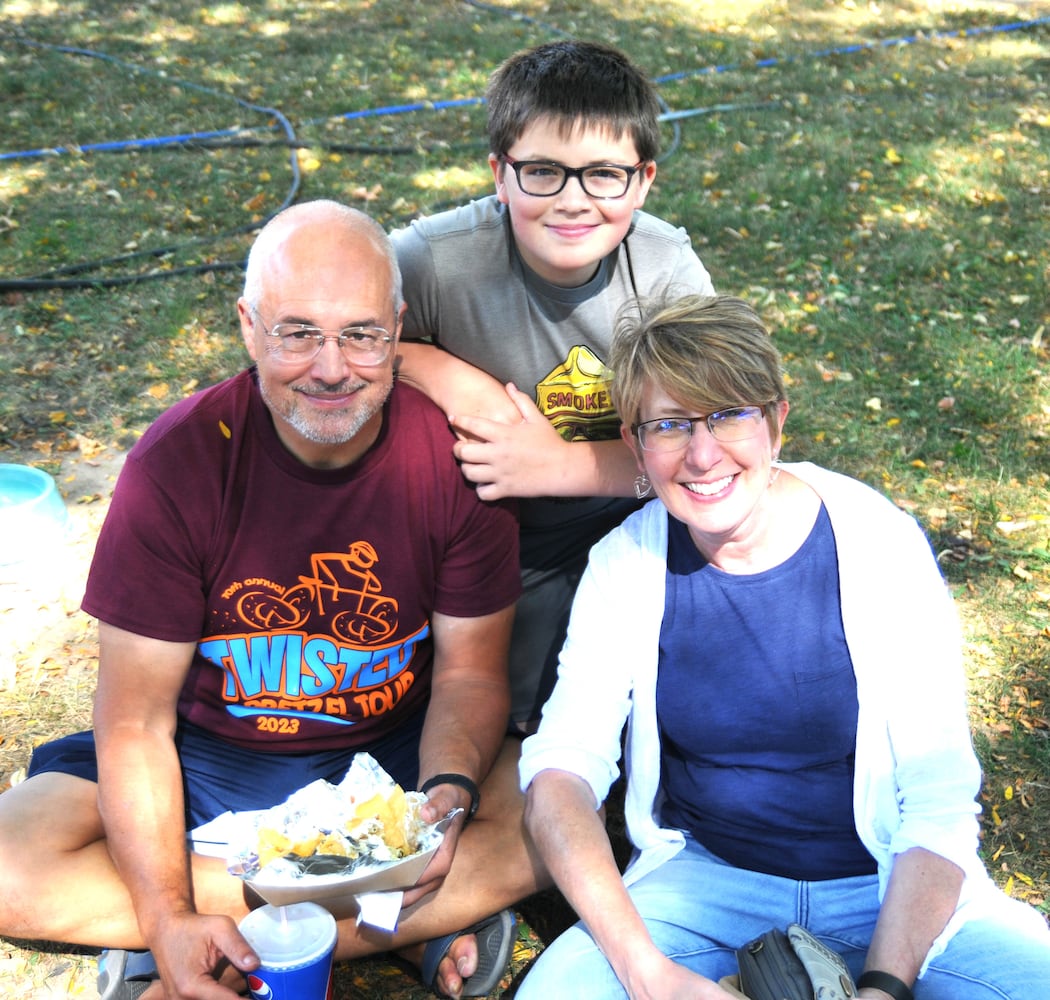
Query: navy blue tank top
[(757, 706)]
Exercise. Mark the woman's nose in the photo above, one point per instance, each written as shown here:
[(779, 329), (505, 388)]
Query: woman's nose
[(703, 449)]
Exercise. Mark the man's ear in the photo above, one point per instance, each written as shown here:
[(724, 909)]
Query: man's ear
[(244, 314), (399, 322)]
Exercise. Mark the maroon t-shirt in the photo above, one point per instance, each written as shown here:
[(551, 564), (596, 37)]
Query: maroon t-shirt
[(308, 592)]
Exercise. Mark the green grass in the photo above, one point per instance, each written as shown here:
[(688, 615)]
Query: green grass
[(885, 207)]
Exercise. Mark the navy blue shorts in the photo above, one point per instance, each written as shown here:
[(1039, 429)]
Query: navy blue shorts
[(217, 776)]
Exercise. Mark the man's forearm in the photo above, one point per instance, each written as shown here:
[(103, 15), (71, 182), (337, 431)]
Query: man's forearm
[(469, 695), (141, 803), (464, 730)]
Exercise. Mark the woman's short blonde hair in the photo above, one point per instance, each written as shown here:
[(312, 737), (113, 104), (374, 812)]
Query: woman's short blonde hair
[(705, 352)]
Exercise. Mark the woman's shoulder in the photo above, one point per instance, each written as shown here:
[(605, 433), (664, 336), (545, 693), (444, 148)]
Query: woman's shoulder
[(643, 530), (830, 485), (861, 514)]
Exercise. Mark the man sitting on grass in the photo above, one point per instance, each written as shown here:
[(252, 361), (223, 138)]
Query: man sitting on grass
[(292, 570)]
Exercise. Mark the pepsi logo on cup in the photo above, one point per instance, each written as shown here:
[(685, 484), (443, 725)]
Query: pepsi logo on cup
[(259, 988)]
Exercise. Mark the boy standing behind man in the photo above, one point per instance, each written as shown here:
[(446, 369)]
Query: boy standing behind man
[(521, 290)]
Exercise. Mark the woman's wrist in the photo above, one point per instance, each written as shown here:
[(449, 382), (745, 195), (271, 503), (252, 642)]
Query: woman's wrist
[(885, 984)]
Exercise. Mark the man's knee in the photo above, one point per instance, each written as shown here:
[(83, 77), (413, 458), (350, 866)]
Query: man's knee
[(50, 812), (43, 820)]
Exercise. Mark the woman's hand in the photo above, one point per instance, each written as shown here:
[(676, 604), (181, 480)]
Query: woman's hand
[(654, 976)]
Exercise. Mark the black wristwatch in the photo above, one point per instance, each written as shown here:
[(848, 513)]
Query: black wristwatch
[(456, 779)]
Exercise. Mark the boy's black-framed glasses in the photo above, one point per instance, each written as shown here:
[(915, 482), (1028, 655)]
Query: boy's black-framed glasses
[(544, 179)]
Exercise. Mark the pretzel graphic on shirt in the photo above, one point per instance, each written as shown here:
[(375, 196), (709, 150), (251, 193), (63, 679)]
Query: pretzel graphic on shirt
[(338, 579)]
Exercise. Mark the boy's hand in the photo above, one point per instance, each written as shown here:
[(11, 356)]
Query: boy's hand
[(526, 459)]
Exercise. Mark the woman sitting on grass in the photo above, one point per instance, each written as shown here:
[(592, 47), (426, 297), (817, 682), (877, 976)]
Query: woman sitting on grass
[(786, 653)]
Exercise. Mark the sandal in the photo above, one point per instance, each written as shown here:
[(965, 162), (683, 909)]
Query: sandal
[(495, 937), (125, 975)]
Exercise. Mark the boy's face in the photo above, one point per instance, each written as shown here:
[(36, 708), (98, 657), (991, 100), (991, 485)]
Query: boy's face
[(564, 236)]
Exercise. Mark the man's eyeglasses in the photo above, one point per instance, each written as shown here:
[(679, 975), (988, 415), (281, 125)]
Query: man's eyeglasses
[(365, 346), (544, 179), (735, 423)]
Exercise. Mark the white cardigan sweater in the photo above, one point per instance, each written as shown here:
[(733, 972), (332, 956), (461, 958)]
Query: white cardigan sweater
[(916, 773)]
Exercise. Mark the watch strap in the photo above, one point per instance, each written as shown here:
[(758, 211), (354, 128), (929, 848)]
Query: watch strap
[(456, 779), (876, 980)]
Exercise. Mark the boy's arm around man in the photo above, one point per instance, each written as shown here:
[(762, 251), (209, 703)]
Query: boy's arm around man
[(506, 446)]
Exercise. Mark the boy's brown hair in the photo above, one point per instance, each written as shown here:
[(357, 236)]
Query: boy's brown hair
[(574, 84)]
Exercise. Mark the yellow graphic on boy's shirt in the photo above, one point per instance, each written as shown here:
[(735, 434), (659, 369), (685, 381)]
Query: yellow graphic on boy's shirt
[(575, 398)]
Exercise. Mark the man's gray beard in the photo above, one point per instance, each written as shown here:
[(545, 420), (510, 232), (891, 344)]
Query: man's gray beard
[(315, 430)]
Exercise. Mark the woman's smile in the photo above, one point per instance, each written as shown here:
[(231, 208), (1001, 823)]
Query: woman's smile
[(710, 489)]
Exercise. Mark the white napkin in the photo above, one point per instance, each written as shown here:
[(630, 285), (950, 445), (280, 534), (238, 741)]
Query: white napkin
[(379, 909), (213, 839)]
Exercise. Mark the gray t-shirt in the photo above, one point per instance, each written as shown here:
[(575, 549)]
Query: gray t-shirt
[(469, 291)]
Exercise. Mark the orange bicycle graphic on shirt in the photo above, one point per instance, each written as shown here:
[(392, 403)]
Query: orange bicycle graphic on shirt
[(340, 580)]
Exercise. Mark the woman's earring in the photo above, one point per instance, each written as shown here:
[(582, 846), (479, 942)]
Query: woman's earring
[(642, 486)]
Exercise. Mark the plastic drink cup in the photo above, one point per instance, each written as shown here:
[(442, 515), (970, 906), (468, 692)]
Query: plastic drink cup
[(295, 944)]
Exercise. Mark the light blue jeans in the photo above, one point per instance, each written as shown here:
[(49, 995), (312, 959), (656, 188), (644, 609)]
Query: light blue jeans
[(983, 961)]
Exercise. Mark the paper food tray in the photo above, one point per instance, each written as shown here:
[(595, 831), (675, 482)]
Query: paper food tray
[(339, 891)]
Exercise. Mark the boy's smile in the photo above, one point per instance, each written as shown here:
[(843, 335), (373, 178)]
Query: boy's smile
[(564, 236)]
